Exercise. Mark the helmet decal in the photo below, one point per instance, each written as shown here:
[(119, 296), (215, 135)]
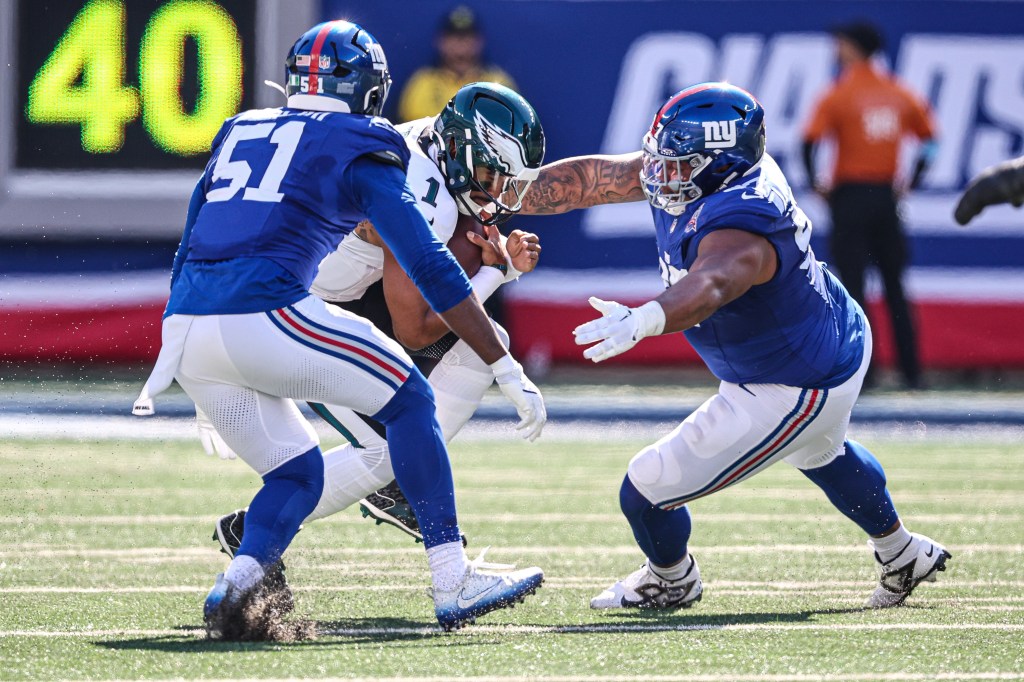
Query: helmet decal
[(507, 149), (337, 65), (491, 147), (701, 140), (719, 134)]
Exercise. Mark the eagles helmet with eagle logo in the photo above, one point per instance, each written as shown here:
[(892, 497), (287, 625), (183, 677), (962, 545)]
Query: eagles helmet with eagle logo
[(341, 61), (491, 148), (702, 139)]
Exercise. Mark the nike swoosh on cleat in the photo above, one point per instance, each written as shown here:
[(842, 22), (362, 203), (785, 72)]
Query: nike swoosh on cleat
[(931, 550), (466, 602)]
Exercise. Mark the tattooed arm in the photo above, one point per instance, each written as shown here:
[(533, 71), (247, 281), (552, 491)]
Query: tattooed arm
[(584, 181)]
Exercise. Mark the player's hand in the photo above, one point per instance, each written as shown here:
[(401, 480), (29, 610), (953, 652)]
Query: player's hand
[(619, 328), (523, 394), (211, 440), (493, 251), (523, 250), (999, 184), (492, 247)]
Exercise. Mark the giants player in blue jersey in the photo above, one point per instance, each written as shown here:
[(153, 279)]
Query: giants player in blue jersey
[(244, 338), (788, 343)]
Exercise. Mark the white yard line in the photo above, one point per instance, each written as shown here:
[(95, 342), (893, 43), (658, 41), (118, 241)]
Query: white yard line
[(853, 596), (510, 517), (595, 628), (313, 553), (724, 677)]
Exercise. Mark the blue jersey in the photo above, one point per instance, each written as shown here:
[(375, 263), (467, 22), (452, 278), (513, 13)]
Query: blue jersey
[(278, 195), (801, 328)]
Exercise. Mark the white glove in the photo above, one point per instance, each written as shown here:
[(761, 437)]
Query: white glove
[(619, 329), (211, 440), (523, 394)]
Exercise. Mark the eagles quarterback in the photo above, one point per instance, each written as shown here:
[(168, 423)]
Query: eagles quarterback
[(771, 322), (244, 337), (501, 136)]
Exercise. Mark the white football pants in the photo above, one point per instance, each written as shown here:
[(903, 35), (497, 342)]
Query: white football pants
[(245, 371), (743, 430), (353, 471)]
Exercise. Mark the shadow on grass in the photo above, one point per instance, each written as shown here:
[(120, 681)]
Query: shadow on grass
[(329, 633), (652, 619), (399, 630)]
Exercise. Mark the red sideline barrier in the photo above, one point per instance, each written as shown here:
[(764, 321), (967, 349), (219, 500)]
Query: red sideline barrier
[(975, 335), (952, 335), (109, 333)]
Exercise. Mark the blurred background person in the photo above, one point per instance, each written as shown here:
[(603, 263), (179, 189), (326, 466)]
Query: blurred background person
[(869, 114), (460, 47)]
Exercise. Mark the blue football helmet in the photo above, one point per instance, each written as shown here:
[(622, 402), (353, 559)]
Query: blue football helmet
[(701, 140), (342, 61)]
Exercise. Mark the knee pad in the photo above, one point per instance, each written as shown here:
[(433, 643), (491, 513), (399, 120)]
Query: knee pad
[(646, 467)]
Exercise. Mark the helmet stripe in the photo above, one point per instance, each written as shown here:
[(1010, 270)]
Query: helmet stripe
[(674, 100), (314, 57)]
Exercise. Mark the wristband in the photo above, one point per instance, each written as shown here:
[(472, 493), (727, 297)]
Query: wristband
[(500, 267), (504, 366), (485, 282), (652, 319)]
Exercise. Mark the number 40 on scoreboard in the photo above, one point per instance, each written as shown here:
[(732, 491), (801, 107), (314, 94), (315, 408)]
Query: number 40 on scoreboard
[(145, 83)]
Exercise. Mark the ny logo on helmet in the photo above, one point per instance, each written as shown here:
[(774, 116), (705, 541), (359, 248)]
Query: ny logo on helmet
[(719, 134), (380, 63)]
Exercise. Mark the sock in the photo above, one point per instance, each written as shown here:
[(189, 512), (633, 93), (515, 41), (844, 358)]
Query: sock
[(855, 483), (889, 547), (419, 459), (244, 573), (350, 474), (676, 572), (289, 493), (448, 565), (661, 534)]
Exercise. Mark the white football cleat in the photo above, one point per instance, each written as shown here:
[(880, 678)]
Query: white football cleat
[(484, 589), (918, 562), (645, 589)]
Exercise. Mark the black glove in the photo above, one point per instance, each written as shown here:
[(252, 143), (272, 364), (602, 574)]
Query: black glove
[(998, 184)]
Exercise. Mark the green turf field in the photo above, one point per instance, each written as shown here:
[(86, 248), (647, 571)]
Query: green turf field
[(105, 557)]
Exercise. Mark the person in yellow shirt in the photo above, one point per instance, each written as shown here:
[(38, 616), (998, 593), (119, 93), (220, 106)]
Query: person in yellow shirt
[(460, 46)]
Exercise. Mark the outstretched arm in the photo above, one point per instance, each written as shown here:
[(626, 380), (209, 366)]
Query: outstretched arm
[(584, 181), (998, 184), (728, 263), (416, 325)]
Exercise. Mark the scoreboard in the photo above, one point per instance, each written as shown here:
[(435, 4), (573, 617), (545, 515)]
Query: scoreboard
[(109, 107), (129, 83)]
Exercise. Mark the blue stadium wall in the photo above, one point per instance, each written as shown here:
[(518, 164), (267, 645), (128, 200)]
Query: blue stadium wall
[(596, 72)]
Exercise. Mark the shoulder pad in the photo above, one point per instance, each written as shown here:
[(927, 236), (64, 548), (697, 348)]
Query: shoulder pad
[(388, 157)]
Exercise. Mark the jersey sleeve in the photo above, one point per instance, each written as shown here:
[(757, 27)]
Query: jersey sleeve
[(918, 118), (821, 122), (383, 141), (383, 195), (739, 210)]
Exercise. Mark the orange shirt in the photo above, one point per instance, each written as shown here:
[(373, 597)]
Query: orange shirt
[(868, 113)]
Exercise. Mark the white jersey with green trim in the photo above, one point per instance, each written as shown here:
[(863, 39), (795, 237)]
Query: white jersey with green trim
[(346, 274)]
